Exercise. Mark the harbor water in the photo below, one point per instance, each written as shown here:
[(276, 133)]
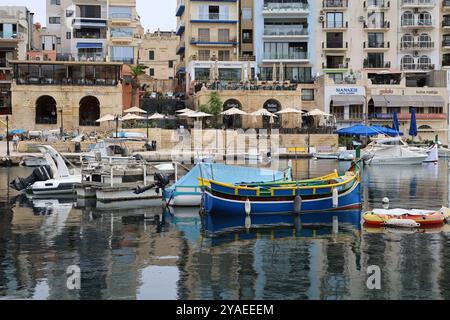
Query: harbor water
[(136, 250)]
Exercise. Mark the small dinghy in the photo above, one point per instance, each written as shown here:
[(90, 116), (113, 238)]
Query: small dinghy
[(401, 218)]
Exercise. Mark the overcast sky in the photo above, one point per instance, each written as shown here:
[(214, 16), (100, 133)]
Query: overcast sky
[(154, 13)]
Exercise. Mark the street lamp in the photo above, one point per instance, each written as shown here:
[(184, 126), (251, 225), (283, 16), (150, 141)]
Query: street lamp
[(62, 123), (7, 137)]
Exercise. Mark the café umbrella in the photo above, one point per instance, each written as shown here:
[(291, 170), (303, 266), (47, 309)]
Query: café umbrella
[(291, 111), (413, 126), (157, 116), (233, 112), (132, 117), (106, 118), (395, 124), (135, 110)]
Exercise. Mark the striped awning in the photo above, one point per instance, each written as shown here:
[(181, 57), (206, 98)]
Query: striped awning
[(379, 101), (88, 45), (344, 100), (433, 101)]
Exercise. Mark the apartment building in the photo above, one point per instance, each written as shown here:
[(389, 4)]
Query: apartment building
[(209, 42), (80, 28), (246, 27), (125, 31), (16, 35), (284, 40), (158, 53)]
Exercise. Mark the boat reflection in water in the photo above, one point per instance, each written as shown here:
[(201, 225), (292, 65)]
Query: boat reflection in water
[(222, 228)]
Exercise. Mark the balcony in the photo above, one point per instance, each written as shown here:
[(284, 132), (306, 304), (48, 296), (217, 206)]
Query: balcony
[(446, 44), (416, 46), (335, 46), (381, 25), (180, 29), (335, 4), (335, 66), (122, 36), (280, 57), (286, 9), (446, 5), (181, 48), (213, 18), (417, 66), (446, 22), (285, 31), (418, 3), (378, 46), (377, 4), (213, 42), (417, 23), (78, 23), (376, 65), (12, 36), (120, 18), (180, 9), (335, 25), (5, 76)]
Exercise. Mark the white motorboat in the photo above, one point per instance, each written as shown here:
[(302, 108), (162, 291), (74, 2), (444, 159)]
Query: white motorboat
[(34, 161), (109, 150), (326, 156), (392, 151), (53, 178)]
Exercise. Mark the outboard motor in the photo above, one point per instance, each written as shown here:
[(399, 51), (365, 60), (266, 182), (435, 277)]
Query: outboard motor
[(161, 181), (43, 173)]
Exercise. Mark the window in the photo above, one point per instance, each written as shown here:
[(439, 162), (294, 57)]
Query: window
[(247, 14), (120, 12), (202, 73), (90, 11), (335, 20), (151, 72), (122, 54), (55, 2), (376, 40), (307, 94), (58, 40), (151, 55), (203, 35), (204, 55), (335, 40), (54, 20), (68, 35), (171, 63), (375, 60), (224, 55), (247, 36), (224, 35)]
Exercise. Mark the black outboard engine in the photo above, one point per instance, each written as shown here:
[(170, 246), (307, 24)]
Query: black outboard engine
[(161, 181), (43, 173)]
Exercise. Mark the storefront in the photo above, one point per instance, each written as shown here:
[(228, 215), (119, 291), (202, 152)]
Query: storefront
[(346, 103)]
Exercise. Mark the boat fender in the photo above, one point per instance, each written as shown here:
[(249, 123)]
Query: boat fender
[(402, 223), (297, 204), (248, 207), (385, 203), (335, 198)]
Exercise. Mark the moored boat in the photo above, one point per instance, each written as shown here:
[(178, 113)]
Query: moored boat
[(332, 192), (403, 218)]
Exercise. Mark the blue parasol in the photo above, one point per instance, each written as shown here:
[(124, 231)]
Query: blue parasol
[(395, 124), (413, 127)]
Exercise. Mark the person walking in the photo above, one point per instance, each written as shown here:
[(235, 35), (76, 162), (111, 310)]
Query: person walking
[(16, 140)]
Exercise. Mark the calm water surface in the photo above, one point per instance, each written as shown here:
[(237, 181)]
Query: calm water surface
[(137, 251)]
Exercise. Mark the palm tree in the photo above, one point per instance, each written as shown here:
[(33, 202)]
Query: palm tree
[(136, 71)]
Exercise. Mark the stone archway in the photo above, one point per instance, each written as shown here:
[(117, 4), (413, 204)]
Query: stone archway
[(232, 121), (89, 111), (46, 112), (272, 106)]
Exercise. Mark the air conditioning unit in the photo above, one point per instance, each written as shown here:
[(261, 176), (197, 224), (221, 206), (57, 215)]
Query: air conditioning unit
[(362, 19), (321, 18), (416, 53)]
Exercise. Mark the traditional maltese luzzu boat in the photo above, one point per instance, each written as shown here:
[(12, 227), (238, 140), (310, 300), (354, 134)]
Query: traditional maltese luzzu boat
[(327, 193)]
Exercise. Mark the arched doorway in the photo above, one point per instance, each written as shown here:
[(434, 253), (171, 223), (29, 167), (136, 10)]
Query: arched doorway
[(89, 111), (46, 110), (272, 106), (232, 121)]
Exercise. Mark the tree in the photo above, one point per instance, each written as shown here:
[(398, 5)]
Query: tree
[(136, 71), (214, 107)]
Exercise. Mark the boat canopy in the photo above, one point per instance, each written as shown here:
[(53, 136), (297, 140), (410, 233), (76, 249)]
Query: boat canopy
[(228, 174), (367, 131)]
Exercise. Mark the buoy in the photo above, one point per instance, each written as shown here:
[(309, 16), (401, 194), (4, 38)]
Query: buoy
[(402, 223), (335, 198), (297, 204), (248, 207), (385, 202)]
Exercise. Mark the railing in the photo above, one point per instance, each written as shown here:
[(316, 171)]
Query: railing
[(121, 34), (209, 40), (446, 43), (417, 66), (407, 116), (417, 23), (249, 86), (417, 45), (446, 3), (286, 6), (377, 4), (126, 16), (91, 57), (335, 66), (377, 45), (377, 25), (418, 2), (335, 4), (335, 45), (213, 17), (335, 24), (286, 56), (371, 65), (11, 36), (286, 31)]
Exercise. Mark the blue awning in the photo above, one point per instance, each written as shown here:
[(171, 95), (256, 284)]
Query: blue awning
[(367, 131), (87, 45)]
